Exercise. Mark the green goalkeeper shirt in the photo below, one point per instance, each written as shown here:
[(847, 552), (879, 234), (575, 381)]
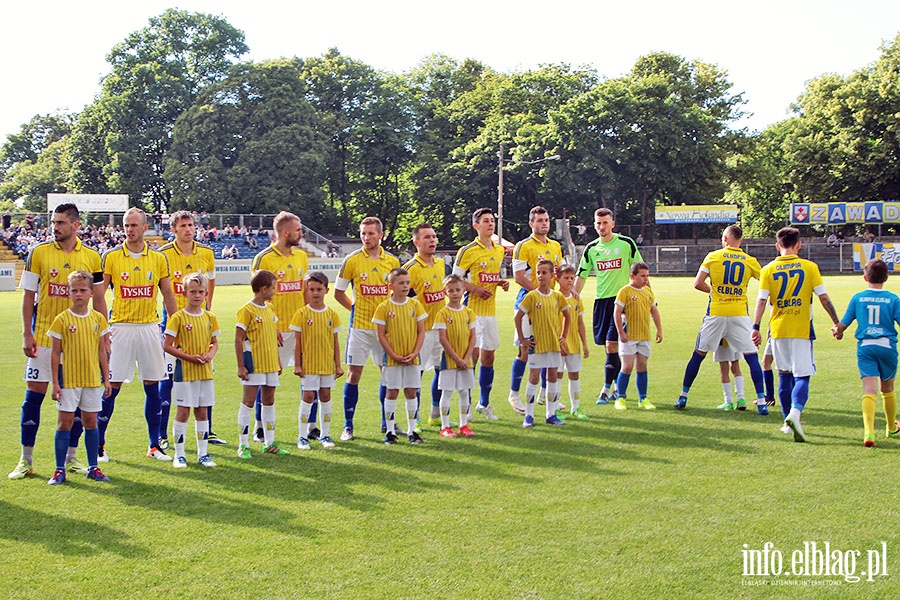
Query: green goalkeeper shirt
[(611, 263)]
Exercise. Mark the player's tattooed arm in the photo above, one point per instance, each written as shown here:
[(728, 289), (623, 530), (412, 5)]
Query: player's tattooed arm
[(829, 308)]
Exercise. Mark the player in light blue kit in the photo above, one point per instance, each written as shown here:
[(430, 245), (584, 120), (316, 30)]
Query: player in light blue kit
[(875, 310)]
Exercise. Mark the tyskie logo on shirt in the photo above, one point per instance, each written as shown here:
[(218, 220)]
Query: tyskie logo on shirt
[(432, 297), (287, 287), (373, 290), (608, 265), (58, 290), (489, 277), (130, 292)]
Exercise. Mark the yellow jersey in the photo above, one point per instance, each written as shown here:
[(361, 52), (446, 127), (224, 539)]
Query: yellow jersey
[(636, 305), (201, 260), (401, 326), (576, 309), (545, 314), (261, 346), (135, 282), (480, 265), (289, 273), (316, 329), (368, 276), (730, 271), (193, 334), (79, 336), (46, 273), (458, 322), (528, 253), (427, 285), (788, 283)]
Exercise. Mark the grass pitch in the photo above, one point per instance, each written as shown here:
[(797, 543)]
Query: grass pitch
[(626, 505)]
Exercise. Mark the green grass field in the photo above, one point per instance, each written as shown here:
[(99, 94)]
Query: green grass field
[(626, 505)]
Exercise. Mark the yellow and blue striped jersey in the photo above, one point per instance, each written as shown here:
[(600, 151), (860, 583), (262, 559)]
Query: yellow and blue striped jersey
[(193, 334), (730, 271), (636, 305), (261, 327), (528, 253), (458, 322), (545, 314), (135, 282), (576, 309), (316, 329), (400, 326), (46, 272), (79, 336), (788, 283), (289, 273), (201, 260), (427, 285), (480, 266), (368, 276)]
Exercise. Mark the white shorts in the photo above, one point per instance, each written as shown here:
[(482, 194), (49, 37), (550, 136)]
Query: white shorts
[(430, 354), (362, 343), (38, 368), (403, 377), (737, 330), (768, 351), (794, 355), (639, 347), (266, 379), (570, 363), (456, 379), (726, 354), (314, 383), (194, 394), (87, 399), (286, 351), (526, 330), (544, 360), (487, 333), (170, 364), (136, 343)]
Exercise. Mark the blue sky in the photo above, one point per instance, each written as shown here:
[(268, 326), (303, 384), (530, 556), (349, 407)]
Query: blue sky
[(56, 50)]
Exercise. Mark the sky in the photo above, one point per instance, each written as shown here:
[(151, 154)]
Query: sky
[(56, 51)]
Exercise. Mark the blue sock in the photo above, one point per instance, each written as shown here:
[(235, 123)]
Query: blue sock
[(351, 397), (612, 368), (800, 393), (622, 384), (109, 405), (77, 428), (151, 412), (485, 384), (544, 383), (91, 445), (769, 377), (785, 388), (61, 445), (165, 404), (756, 374), (209, 417), (518, 371), (314, 411), (257, 406), (382, 392), (31, 417), (641, 382), (436, 392), (691, 371)]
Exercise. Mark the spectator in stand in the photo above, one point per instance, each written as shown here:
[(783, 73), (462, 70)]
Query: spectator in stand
[(639, 240), (832, 240)]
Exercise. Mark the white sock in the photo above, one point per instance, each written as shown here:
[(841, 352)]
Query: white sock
[(552, 398), (446, 397), (530, 392), (390, 407), (411, 410), (179, 431), (325, 412), (268, 417), (794, 414), (739, 386), (726, 387), (244, 416), (575, 393), (465, 406), (202, 429), (303, 418)]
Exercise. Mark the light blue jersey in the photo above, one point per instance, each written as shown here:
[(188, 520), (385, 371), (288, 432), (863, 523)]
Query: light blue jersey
[(875, 312)]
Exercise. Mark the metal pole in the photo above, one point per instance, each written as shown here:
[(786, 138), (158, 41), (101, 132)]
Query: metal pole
[(499, 227)]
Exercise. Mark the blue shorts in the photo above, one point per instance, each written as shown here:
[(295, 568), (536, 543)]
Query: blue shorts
[(604, 324), (877, 361)]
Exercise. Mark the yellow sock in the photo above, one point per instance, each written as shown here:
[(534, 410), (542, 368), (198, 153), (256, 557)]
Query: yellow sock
[(889, 400), (868, 412)]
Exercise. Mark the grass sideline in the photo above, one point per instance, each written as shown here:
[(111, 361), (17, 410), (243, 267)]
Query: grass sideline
[(626, 505)]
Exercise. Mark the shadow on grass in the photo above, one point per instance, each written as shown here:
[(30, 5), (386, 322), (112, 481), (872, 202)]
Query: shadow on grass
[(65, 535)]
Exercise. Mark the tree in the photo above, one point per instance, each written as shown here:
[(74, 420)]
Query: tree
[(33, 138)]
